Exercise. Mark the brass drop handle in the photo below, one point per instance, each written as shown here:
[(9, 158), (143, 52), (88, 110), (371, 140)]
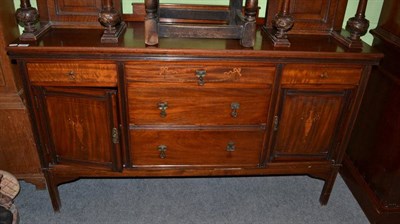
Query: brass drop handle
[(234, 109), (71, 75), (324, 75), (231, 147), (162, 106), (162, 149), (200, 75)]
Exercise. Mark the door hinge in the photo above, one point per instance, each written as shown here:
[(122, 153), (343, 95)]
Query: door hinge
[(115, 136), (276, 123)]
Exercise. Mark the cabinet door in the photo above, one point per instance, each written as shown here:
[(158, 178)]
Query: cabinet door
[(80, 126), (307, 124)]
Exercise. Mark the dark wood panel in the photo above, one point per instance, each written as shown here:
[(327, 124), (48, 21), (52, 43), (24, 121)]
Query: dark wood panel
[(74, 7), (72, 13), (372, 168), (376, 211), (201, 106), (308, 121), (317, 16), (2, 82), (203, 148), (71, 116), (8, 32), (389, 18), (18, 154), (374, 146)]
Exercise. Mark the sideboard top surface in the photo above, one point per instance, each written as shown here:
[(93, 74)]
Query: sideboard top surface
[(66, 41)]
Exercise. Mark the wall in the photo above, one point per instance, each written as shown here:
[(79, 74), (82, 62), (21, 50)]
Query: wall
[(373, 10)]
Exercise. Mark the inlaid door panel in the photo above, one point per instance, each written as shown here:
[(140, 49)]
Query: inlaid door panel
[(306, 125), (81, 125)]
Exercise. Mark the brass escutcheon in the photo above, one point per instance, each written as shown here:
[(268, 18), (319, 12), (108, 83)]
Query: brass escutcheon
[(200, 75), (71, 75), (231, 147), (234, 106)]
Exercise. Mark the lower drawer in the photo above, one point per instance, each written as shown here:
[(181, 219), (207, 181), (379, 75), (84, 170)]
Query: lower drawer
[(196, 147)]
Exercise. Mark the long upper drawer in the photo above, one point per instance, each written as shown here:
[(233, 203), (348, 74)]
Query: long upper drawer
[(204, 148), (204, 73), (82, 73), (321, 74)]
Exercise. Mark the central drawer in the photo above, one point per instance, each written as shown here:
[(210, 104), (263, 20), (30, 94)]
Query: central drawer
[(198, 93), (199, 106), (201, 147)]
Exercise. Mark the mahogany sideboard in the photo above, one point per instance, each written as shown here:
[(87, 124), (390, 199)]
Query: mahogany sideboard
[(371, 165), (190, 107)]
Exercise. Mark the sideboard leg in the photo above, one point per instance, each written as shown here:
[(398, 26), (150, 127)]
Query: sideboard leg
[(328, 186), (53, 190)]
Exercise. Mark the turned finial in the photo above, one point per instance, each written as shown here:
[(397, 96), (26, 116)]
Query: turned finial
[(283, 21), (250, 10), (358, 25), (111, 19), (27, 16)]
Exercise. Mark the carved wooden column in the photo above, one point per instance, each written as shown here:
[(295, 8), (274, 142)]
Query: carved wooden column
[(282, 22), (151, 22), (111, 19), (249, 26), (357, 26), (28, 17)]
